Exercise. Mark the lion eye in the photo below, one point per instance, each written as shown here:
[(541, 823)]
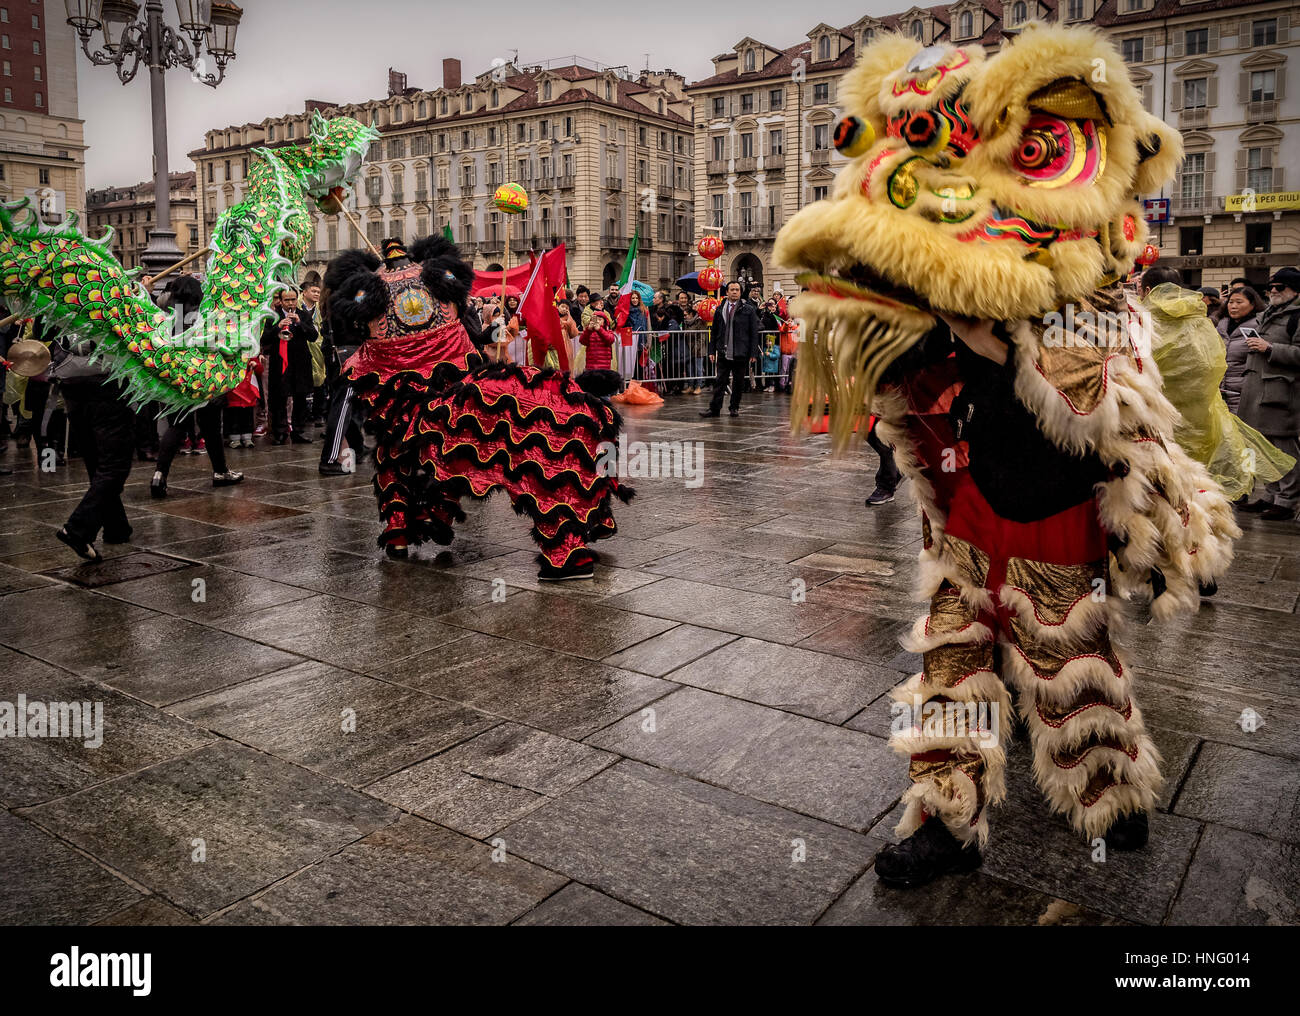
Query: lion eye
[(1037, 149)]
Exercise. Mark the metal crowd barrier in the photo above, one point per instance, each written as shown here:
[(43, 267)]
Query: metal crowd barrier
[(679, 360)]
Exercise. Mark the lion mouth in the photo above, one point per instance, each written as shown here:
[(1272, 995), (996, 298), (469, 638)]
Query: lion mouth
[(863, 283)]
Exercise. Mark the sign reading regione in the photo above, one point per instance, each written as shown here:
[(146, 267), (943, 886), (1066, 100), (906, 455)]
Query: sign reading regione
[(1156, 210), (1275, 201)]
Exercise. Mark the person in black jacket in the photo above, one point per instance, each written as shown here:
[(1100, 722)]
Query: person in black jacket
[(288, 373), (733, 340)]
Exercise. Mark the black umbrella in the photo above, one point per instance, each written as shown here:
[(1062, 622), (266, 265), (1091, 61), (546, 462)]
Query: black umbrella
[(691, 283)]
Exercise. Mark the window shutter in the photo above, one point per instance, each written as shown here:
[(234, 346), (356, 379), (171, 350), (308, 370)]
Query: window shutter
[(1176, 96), (1148, 47), (1213, 42), (1176, 44), (1242, 161), (1212, 91), (1283, 28), (1279, 87), (1243, 86), (1266, 158), (1277, 179), (1209, 176), (1243, 34), (1147, 97)]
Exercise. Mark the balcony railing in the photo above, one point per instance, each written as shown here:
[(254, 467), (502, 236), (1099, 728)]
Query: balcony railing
[(750, 230), (421, 196), (467, 190), (614, 182), (492, 245), (716, 167), (820, 157), (773, 163), (1197, 117), (747, 164), (398, 197), (664, 191), (1197, 204), (565, 182), (444, 193), (1263, 111), (615, 242), (544, 183)]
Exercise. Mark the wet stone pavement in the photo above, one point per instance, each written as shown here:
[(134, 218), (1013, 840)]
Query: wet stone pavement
[(297, 730)]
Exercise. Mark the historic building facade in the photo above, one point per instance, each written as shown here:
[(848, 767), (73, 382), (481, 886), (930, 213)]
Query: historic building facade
[(601, 153), (130, 211), (42, 147), (1216, 69)]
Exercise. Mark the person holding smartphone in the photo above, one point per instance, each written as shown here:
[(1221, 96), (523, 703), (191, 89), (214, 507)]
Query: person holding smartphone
[(1237, 325)]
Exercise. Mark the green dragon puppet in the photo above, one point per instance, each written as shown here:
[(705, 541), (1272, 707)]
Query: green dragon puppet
[(79, 290)]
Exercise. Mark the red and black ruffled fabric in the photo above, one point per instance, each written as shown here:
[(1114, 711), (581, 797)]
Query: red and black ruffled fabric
[(449, 427)]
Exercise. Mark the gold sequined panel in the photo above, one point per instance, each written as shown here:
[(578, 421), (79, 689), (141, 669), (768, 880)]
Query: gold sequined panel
[(1055, 588), (1048, 663), (970, 563), (948, 614), (939, 768), (948, 666), (1074, 353), (1089, 698), (1102, 780), (1073, 757)]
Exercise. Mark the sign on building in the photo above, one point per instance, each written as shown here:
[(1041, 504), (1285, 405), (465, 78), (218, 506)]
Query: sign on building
[(1252, 202), (1156, 211)]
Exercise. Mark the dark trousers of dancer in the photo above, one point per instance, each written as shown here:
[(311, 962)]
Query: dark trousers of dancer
[(340, 424), (738, 371), (888, 476), (104, 429), (277, 401), (208, 419), (239, 421)]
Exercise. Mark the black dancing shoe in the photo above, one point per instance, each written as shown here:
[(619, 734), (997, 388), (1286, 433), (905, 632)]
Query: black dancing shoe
[(929, 852), (227, 479), (710, 412), (880, 496), (397, 551), (158, 486), (83, 549), (1128, 832), (332, 469), (549, 573), (298, 438)]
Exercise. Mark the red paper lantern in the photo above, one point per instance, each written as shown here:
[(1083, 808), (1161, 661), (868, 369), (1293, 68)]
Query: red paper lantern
[(711, 279), (1149, 256), (706, 308), (710, 247)]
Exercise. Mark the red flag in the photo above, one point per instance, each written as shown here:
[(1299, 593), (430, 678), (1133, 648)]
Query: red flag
[(543, 320)]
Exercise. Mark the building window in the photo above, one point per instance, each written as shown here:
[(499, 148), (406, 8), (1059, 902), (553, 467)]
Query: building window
[(40, 101), (1197, 41), (443, 106), (1133, 50), (270, 133), (718, 210), (9, 95), (4, 42), (228, 176), (1074, 10), (747, 145), (822, 92), (36, 73), (36, 47), (776, 141), (749, 59), (1259, 170), (1195, 93), (374, 188), (821, 137), (1190, 239), (546, 91), (1259, 238), (397, 114), (747, 102), (966, 25), (496, 98), (1264, 33), (719, 148), (824, 48), (397, 148), (422, 109), (776, 98), (641, 174), (609, 92), (9, 73), (918, 31), (492, 137), (1193, 189), (288, 131), (719, 106), (194, 236), (819, 193), (4, 15), (209, 174), (1263, 86), (641, 137)]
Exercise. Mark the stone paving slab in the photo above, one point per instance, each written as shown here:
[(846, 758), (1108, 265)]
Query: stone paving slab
[(353, 728), (561, 694), (222, 592), (579, 905), (118, 569), (259, 818), (1245, 790), (635, 833), (812, 684), (1237, 878), (445, 878), (770, 578), (47, 882), (660, 655), (830, 773)]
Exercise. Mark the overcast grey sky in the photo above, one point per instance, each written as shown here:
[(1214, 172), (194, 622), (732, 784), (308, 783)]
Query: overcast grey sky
[(340, 51)]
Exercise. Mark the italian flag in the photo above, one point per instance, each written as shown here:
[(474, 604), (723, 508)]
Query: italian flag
[(626, 284)]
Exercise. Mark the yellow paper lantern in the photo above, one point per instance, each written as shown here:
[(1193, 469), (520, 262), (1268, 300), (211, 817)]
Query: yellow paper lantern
[(511, 198)]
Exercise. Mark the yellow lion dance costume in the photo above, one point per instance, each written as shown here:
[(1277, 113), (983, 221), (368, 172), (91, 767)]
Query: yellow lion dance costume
[(1040, 446)]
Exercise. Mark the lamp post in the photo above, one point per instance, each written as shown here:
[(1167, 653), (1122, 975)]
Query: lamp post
[(131, 39)]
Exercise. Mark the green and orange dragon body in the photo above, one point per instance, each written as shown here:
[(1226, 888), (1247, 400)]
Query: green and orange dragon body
[(80, 292)]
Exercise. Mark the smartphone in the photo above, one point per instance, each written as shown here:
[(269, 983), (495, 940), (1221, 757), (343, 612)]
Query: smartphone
[(1249, 333)]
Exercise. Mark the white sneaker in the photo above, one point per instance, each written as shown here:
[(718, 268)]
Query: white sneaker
[(234, 441), (248, 440)]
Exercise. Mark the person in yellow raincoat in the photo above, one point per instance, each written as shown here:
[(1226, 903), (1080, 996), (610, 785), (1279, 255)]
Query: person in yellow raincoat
[(1190, 355)]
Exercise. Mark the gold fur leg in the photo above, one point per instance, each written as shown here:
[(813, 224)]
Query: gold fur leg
[(952, 719), (1093, 759)]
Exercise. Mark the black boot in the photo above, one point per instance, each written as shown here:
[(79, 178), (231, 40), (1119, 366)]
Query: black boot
[(1128, 832), (929, 852)]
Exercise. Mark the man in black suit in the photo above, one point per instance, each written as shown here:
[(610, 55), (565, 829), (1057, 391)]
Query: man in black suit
[(733, 340), (290, 333)]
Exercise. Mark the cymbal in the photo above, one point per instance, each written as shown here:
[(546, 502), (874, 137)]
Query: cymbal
[(28, 358)]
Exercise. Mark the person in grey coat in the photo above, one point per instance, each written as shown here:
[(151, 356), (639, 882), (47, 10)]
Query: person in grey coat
[(1242, 310), (1270, 390)]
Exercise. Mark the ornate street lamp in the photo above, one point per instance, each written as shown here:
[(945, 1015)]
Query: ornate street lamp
[(129, 40)]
